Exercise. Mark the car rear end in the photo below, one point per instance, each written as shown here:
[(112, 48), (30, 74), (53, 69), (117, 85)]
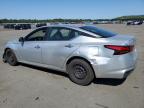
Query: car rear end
[(119, 57), (117, 54)]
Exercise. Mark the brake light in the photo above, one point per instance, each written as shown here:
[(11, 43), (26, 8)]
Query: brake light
[(118, 50)]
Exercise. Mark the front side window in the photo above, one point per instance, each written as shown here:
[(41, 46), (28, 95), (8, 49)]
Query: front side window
[(38, 35), (57, 34)]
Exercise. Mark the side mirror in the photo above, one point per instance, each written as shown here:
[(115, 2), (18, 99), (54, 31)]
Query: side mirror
[(21, 39)]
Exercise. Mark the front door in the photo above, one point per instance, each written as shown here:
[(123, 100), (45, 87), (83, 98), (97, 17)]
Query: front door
[(31, 48)]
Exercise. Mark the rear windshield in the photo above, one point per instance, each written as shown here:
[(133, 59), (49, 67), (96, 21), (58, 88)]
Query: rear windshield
[(98, 31)]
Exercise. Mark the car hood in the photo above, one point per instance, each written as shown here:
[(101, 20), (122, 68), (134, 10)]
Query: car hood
[(14, 41)]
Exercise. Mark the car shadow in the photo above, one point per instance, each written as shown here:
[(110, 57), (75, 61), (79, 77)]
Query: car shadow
[(101, 81), (109, 81), (45, 70)]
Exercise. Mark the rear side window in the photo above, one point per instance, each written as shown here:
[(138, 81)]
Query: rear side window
[(62, 34), (65, 32), (101, 32)]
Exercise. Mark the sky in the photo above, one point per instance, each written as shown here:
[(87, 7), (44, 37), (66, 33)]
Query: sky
[(69, 9)]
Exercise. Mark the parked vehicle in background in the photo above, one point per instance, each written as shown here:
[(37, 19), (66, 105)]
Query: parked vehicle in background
[(95, 22), (9, 26), (83, 52), (22, 26), (134, 22), (41, 24)]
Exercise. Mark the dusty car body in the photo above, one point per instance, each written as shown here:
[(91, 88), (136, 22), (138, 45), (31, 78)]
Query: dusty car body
[(84, 52)]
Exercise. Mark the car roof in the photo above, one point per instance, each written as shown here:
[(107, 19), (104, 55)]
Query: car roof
[(75, 27), (65, 25)]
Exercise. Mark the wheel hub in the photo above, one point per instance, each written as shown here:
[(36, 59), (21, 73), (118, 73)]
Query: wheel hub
[(79, 72)]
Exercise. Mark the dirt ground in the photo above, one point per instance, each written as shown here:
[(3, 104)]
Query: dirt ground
[(25, 86)]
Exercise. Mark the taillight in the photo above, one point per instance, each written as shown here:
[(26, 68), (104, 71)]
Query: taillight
[(118, 50)]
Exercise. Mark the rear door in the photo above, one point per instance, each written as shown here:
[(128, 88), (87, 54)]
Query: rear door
[(59, 46)]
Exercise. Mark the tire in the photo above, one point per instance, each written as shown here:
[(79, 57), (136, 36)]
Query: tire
[(10, 57), (80, 72), (4, 58)]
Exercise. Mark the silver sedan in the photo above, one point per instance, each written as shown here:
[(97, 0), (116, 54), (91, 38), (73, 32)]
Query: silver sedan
[(83, 52)]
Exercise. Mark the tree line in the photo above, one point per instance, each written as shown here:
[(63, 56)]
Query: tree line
[(131, 17), (41, 21), (122, 18)]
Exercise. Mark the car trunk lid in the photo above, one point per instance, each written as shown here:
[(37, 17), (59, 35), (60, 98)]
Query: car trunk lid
[(124, 40)]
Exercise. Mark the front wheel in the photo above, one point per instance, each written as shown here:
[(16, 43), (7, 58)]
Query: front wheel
[(80, 72), (10, 57)]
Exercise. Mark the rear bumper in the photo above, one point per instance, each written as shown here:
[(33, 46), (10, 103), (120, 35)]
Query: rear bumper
[(118, 74), (116, 67)]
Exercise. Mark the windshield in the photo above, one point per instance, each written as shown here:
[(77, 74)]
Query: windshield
[(98, 31)]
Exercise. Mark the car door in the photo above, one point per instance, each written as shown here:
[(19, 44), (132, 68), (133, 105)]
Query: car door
[(30, 49), (59, 46)]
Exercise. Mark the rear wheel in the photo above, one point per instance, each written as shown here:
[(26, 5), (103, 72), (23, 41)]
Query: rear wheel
[(80, 72), (10, 57)]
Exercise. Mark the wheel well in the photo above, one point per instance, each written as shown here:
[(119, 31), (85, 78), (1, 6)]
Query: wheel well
[(77, 57), (5, 51)]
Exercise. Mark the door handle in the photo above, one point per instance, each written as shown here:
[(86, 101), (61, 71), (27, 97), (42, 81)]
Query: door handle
[(69, 46), (37, 47)]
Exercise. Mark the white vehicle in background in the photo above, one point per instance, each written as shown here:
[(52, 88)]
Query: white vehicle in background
[(134, 22)]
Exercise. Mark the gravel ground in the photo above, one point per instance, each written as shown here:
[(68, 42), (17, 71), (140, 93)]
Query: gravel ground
[(26, 86)]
